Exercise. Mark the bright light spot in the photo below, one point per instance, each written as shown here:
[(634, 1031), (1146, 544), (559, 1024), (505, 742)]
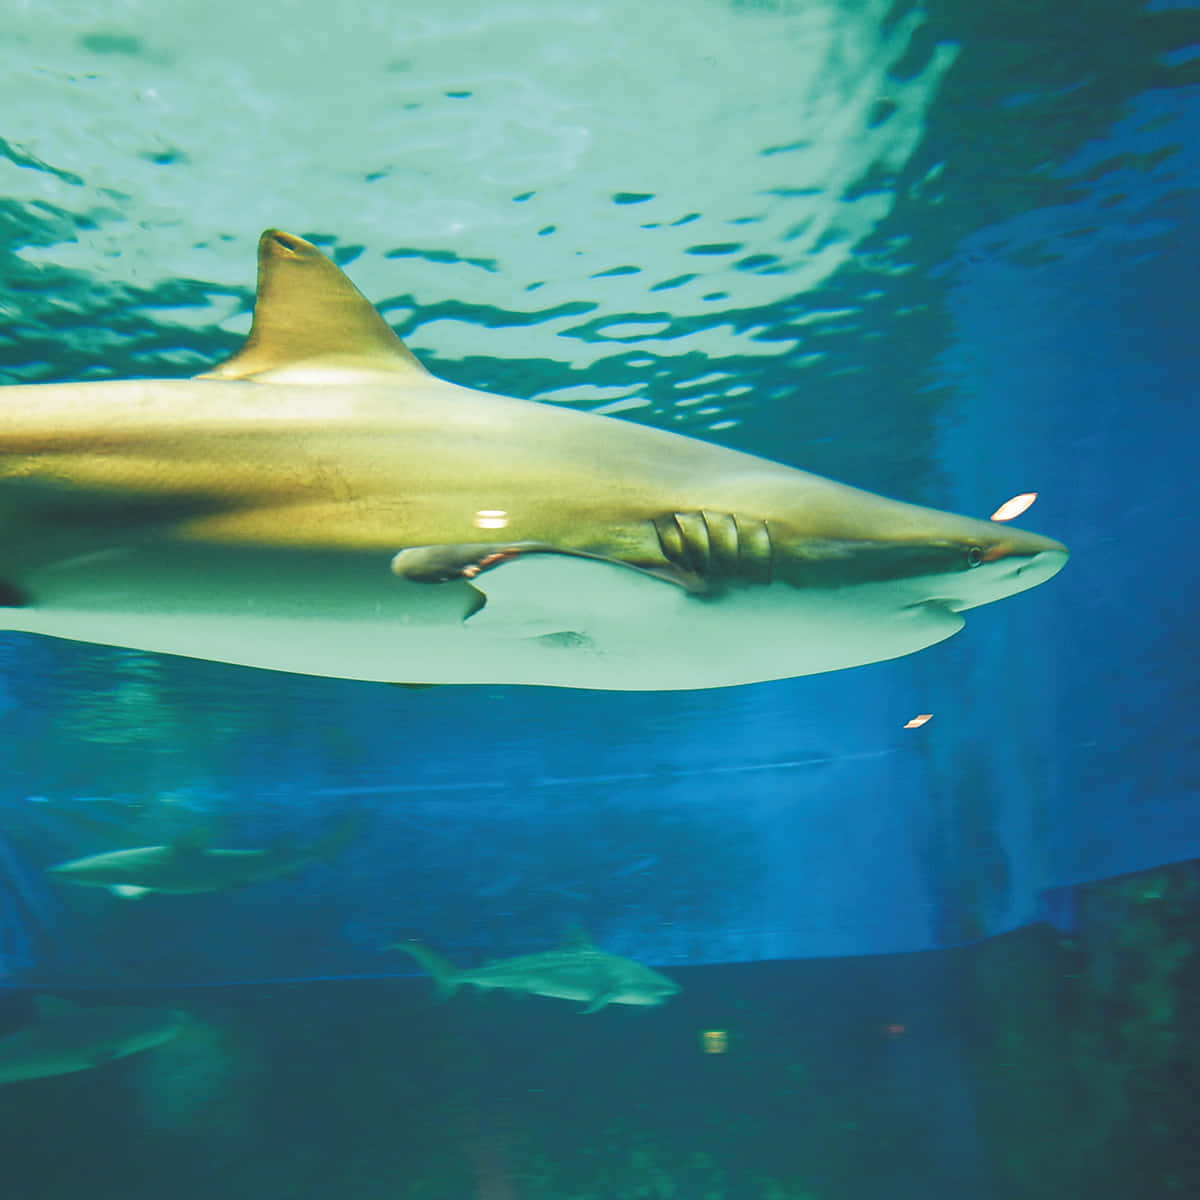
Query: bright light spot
[(584, 392), (491, 518), (1014, 507), (711, 377), (918, 721), (634, 329), (622, 405), (714, 1041)]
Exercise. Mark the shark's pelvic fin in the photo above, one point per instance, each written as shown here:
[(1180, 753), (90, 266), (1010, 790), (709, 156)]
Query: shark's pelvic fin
[(310, 320)]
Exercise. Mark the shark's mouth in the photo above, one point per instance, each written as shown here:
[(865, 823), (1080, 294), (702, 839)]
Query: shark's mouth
[(1007, 577)]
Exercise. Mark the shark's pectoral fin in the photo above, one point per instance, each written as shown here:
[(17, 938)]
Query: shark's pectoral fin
[(564, 597), (468, 560), (701, 549), (570, 604), (465, 560), (541, 591), (599, 1002)]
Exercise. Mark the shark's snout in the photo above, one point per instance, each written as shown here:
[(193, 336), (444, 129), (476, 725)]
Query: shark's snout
[(1043, 566), (1006, 575)]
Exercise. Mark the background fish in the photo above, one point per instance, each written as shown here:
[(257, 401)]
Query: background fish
[(66, 1037), (189, 866), (575, 971)]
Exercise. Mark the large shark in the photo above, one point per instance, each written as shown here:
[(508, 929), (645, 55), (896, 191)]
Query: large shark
[(575, 971), (320, 503), (188, 865), (66, 1037)]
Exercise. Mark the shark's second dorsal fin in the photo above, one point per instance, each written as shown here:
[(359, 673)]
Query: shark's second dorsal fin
[(310, 319)]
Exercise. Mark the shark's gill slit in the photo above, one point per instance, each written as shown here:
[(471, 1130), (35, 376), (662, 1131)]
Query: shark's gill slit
[(722, 534), (716, 545), (755, 551)]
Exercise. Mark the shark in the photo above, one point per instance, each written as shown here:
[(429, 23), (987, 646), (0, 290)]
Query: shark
[(577, 970), (66, 1037), (188, 866), (320, 503)]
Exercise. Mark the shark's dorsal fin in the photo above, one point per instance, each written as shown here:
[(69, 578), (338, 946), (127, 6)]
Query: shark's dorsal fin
[(311, 322), (577, 939), (193, 840)]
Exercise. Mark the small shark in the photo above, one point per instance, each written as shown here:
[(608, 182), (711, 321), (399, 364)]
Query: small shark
[(66, 1037), (575, 971), (320, 503), (188, 865)]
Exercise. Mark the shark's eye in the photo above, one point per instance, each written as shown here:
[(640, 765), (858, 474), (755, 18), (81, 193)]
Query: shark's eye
[(974, 556)]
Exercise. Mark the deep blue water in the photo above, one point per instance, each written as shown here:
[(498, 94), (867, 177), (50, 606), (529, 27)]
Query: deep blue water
[(947, 253)]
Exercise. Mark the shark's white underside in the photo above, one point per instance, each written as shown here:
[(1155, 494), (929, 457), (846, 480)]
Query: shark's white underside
[(549, 619)]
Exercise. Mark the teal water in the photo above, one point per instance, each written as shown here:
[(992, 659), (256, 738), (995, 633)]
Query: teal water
[(944, 252), (1030, 1066)]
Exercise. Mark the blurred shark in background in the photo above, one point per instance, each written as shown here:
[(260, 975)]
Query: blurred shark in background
[(189, 865), (577, 970), (66, 1037)]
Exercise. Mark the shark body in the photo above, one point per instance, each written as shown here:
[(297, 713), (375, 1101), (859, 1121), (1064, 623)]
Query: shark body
[(321, 504), (575, 971), (66, 1038), (188, 867)]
